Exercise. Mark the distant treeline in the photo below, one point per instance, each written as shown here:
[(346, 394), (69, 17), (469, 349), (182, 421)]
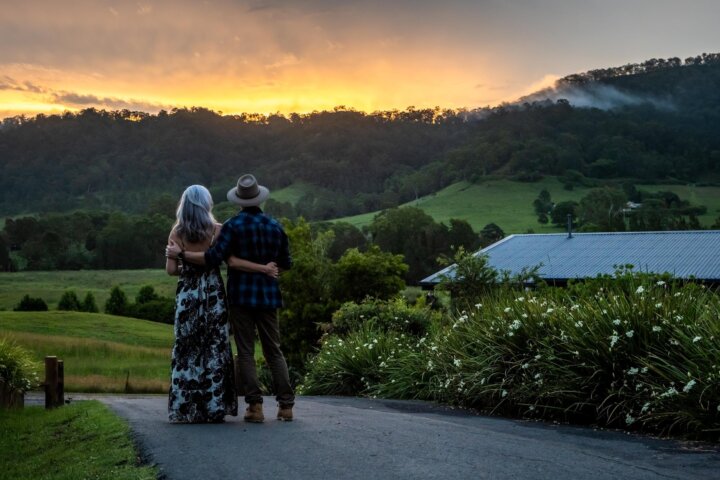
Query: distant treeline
[(98, 240), (356, 162)]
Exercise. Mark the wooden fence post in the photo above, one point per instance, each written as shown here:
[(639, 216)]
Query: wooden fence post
[(51, 382)]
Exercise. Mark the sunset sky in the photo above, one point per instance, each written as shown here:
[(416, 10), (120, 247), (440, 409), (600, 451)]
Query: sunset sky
[(303, 55)]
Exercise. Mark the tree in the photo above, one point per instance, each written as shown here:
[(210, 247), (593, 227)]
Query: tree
[(6, 264), (30, 304), (307, 292), (542, 206), (490, 234), (603, 208), (461, 234), (560, 212), (146, 294), (69, 301), (117, 304), (88, 304), (411, 232), (373, 273)]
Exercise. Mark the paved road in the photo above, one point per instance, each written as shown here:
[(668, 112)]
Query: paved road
[(351, 438)]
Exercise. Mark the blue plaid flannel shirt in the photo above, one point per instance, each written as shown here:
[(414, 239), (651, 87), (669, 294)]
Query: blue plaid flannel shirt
[(254, 236)]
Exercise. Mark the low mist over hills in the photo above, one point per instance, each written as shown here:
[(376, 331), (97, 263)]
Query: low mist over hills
[(655, 121)]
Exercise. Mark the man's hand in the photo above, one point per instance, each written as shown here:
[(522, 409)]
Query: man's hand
[(172, 250), (271, 270)]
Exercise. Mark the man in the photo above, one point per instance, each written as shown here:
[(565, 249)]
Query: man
[(253, 297)]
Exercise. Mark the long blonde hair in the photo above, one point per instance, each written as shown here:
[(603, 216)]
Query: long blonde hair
[(194, 219)]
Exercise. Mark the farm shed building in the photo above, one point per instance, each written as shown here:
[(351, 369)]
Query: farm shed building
[(684, 254)]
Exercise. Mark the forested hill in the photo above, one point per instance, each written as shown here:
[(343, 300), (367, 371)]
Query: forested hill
[(652, 121)]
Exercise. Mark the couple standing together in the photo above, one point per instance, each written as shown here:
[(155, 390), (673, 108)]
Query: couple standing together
[(255, 248)]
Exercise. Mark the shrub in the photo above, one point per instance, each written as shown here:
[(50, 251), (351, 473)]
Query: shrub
[(17, 369), (117, 304), (146, 294), (69, 301), (31, 304), (633, 351), (162, 310), (391, 315), (355, 364), (88, 303)]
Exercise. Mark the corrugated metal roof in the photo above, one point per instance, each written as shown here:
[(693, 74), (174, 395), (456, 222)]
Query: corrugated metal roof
[(683, 254)]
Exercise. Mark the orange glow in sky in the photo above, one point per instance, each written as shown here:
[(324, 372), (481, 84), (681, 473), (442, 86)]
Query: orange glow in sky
[(303, 55)]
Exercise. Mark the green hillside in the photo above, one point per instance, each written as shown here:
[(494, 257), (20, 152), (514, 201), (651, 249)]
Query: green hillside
[(50, 285), (101, 353), (509, 203)]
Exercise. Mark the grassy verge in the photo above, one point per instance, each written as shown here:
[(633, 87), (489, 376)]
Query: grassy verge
[(81, 440)]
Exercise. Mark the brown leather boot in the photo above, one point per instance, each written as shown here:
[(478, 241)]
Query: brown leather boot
[(254, 413), (285, 414)]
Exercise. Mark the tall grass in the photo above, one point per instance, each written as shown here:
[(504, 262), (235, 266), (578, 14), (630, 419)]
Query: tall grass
[(18, 371), (631, 352), (101, 353)]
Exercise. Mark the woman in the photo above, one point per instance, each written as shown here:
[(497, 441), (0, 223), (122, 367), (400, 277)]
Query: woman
[(202, 382)]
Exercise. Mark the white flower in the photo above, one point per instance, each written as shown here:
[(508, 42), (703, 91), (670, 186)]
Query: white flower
[(677, 294), (430, 365), (674, 342), (524, 315), (504, 393), (478, 305), (538, 356), (550, 310), (660, 283), (629, 419), (616, 321), (640, 289), (575, 307), (434, 348), (531, 408), (457, 362), (516, 324), (645, 407), (688, 386), (383, 364), (614, 339), (507, 309), (658, 305), (521, 299), (525, 365), (669, 393), (656, 328), (579, 324), (697, 339), (633, 371), (630, 333)]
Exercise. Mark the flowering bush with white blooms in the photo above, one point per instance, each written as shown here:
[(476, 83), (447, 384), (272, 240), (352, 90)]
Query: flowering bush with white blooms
[(630, 351)]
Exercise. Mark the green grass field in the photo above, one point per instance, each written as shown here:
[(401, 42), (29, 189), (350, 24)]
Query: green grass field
[(81, 440), (509, 204), (50, 285), (100, 352)]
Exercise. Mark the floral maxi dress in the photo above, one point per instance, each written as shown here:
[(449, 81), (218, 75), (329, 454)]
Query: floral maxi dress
[(202, 387)]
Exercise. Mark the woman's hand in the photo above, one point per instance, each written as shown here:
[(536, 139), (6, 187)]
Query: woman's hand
[(172, 250)]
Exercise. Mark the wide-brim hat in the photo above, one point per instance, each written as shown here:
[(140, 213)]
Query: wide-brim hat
[(248, 193)]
